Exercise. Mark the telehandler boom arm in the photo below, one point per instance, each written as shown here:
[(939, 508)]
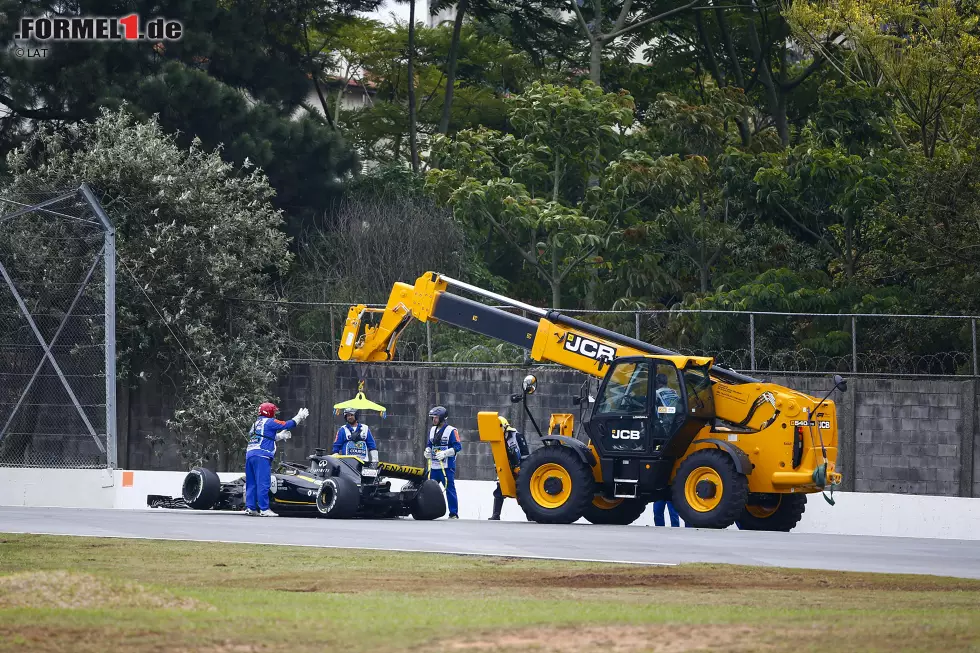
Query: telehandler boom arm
[(551, 337)]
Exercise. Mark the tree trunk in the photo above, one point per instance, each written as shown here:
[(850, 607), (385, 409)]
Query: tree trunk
[(412, 133), (595, 62), (323, 101), (703, 260), (555, 280), (447, 102), (765, 76), (339, 103)]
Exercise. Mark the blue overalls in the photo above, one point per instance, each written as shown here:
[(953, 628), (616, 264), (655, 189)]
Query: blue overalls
[(258, 460), (447, 437)]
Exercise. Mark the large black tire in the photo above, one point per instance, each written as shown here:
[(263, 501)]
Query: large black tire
[(782, 512), (620, 512), (707, 491), (554, 486), (201, 488), (338, 498), (430, 502)]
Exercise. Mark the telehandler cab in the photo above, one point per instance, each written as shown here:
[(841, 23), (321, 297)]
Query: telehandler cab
[(725, 447)]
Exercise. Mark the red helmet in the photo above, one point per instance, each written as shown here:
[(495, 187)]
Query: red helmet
[(268, 410)]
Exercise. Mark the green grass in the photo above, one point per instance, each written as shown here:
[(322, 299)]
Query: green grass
[(144, 595)]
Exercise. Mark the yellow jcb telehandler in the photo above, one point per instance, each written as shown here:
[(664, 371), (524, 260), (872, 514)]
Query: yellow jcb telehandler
[(724, 447)]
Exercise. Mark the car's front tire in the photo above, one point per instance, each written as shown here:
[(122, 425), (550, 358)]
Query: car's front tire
[(338, 498)]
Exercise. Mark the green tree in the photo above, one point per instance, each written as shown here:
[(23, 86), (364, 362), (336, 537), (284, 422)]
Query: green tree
[(558, 187), (486, 68), (602, 22), (525, 17), (926, 55), (193, 235), (746, 46), (235, 78)]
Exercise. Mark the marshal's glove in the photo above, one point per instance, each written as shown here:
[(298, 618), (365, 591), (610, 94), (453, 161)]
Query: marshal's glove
[(283, 435), (442, 454), (301, 415), (428, 453)]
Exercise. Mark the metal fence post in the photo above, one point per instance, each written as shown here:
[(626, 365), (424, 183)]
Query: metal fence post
[(112, 457), (428, 340), (333, 337), (973, 328), (752, 339), (854, 345), (637, 317)]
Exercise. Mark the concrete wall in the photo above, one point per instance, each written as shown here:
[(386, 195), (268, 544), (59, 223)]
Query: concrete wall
[(899, 436), (878, 514)]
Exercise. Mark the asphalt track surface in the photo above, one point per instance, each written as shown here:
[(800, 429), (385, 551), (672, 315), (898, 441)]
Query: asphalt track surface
[(623, 544)]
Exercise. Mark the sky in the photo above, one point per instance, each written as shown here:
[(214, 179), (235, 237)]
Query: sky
[(400, 9)]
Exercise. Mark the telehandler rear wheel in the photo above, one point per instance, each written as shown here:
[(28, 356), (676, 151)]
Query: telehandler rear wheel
[(620, 512), (554, 486), (779, 512), (707, 491)]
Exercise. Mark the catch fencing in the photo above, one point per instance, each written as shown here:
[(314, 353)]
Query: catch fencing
[(57, 330), (748, 341)]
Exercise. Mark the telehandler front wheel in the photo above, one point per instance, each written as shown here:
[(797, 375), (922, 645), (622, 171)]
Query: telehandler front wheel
[(707, 491), (554, 486), (775, 512)]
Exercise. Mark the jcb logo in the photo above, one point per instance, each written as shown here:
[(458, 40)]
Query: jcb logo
[(589, 348), (623, 434)]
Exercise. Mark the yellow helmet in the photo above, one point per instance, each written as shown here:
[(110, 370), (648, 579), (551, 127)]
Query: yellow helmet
[(503, 422)]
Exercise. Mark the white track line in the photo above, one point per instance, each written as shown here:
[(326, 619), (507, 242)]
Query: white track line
[(365, 548)]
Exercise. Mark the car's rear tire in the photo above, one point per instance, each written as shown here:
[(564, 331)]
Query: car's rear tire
[(619, 512), (338, 498), (430, 502), (201, 488)]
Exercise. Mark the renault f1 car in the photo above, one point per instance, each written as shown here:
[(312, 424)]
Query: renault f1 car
[(332, 486)]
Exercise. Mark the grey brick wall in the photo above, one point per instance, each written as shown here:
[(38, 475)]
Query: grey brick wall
[(913, 436)]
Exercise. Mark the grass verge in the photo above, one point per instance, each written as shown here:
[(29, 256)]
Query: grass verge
[(91, 594)]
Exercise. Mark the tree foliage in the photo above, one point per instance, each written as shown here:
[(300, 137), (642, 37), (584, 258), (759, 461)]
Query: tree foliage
[(194, 236), (560, 185)]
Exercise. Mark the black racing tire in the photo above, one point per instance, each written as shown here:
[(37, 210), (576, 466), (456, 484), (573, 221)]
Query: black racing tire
[(620, 512), (712, 473), (783, 516), (338, 498), (201, 488), (554, 486), (430, 502)]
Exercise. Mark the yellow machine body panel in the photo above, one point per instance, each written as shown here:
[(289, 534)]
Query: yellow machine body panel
[(492, 431)]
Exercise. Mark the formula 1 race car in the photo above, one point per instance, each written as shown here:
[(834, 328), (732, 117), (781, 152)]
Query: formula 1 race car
[(332, 486)]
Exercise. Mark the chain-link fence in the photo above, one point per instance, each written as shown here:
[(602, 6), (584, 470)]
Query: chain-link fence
[(57, 340), (761, 341)]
